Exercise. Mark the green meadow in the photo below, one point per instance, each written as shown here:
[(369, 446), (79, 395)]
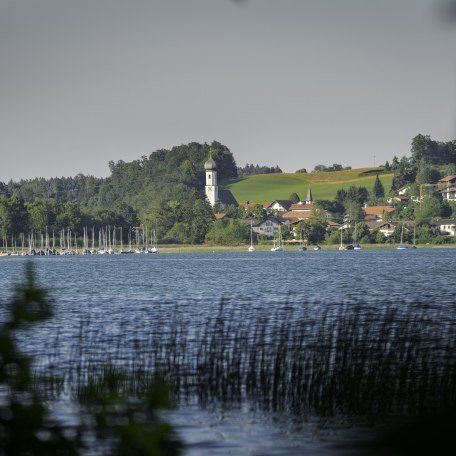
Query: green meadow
[(269, 187)]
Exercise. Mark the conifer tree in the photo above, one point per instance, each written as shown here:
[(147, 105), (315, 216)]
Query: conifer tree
[(378, 190)]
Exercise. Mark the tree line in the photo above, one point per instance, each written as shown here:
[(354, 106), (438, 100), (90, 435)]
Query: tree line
[(250, 169), (163, 190)]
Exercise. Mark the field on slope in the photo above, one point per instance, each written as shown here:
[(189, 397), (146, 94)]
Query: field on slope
[(269, 187)]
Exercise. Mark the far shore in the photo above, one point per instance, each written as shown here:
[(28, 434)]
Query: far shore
[(288, 247), (188, 248)]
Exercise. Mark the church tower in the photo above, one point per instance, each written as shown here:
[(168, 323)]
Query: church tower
[(309, 199), (211, 181)]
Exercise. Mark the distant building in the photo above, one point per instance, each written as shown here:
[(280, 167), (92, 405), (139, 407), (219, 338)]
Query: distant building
[(213, 193), (333, 225), (309, 199), (279, 205), (376, 212), (386, 228), (449, 193), (269, 226), (403, 190), (446, 226), (398, 199), (221, 216)]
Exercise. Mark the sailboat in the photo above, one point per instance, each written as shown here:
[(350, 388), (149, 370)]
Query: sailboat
[(414, 236), (356, 245), (302, 247), (402, 246), (278, 247), (341, 246), (85, 250), (154, 248), (251, 248)]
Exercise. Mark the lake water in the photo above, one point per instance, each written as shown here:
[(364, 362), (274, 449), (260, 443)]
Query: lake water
[(122, 296)]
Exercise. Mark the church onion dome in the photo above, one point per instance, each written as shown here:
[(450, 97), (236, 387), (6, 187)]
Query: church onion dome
[(210, 165)]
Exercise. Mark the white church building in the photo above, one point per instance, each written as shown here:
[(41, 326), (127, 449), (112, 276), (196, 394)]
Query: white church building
[(213, 193)]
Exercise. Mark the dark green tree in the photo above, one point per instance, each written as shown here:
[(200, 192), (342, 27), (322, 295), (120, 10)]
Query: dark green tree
[(378, 191), (294, 198), (228, 232), (43, 213), (363, 234), (353, 211), (70, 217), (310, 231), (201, 221), (426, 174), (429, 208), (24, 417)]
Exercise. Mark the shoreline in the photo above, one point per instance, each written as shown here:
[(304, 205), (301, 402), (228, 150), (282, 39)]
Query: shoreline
[(177, 248), (205, 248)]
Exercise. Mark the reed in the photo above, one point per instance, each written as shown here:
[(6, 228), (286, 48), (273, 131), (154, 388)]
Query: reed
[(341, 360)]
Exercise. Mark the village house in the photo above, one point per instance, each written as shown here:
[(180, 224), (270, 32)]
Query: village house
[(279, 206), (386, 228), (287, 205), (398, 199), (304, 213), (449, 193), (446, 226), (300, 211), (269, 226), (375, 213), (221, 216), (403, 190), (333, 225)]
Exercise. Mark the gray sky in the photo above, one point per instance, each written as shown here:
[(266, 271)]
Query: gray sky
[(288, 82)]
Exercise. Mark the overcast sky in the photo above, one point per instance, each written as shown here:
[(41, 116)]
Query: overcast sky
[(288, 82)]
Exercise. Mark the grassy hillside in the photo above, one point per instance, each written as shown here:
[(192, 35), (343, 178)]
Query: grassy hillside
[(269, 187)]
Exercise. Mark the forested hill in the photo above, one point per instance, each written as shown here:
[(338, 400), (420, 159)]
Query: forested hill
[(164, 173), (168, 174), (165, 190)]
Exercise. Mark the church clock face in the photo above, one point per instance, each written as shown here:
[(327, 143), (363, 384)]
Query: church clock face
[(209, 189)]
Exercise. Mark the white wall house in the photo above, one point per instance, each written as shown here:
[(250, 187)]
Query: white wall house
[(449, 193), (447, 226), (279, 206), (270, 226)]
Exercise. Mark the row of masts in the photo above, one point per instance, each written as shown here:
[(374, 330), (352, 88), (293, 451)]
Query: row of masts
[(107, 241)]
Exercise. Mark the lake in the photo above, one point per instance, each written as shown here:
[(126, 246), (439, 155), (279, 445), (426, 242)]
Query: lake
[(118, 299)]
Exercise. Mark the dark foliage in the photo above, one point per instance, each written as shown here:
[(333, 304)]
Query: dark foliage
[(114, 415), (378, 191), (325, 169), (250, 169)]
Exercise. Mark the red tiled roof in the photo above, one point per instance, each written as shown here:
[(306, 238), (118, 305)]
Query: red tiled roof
[(377, 225), (378, 210), (301, 207), (296, 214), (447, 178)]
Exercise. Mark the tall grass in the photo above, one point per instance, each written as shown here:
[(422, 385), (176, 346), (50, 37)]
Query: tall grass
[(343, 360)]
